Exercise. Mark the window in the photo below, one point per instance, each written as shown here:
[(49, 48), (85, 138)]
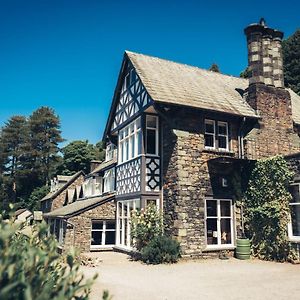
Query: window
[(109, 181), (130, 141), (110, 152), (58, 228), (124, 213), (219, 224), (103, 233), (152, 135), (152, 202), (216, 135), (294, 225)]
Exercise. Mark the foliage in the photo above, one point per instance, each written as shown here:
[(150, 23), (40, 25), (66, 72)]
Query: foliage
[(32, 203), (30, 267), (246, 73), (215, 68), (78, 155), (161, 249), (291, 59), (28, 155), (267, 209), (45, 135), (145, 225)]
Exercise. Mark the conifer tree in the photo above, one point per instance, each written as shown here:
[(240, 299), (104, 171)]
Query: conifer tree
[(215, 68), (45, 135)]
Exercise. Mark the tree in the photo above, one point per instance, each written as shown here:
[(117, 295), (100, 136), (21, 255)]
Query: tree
[(291, 61), (13, 137), (246, 73), (33, 201), (78, 155), (45, 135), (215, 68)]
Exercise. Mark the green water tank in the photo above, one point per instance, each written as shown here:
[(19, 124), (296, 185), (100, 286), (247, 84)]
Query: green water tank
[(242, 249)]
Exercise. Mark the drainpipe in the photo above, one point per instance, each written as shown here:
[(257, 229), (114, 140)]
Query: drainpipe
[(241, 139)]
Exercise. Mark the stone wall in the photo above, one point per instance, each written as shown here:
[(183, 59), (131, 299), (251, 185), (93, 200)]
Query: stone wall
[(79, 227), (274, 133), (187, 175), (59, 200)]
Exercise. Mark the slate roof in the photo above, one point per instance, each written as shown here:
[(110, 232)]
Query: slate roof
[(180, 84), (63, 187), (78, 206)]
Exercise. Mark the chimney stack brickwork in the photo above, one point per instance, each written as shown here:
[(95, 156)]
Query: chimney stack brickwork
[(274, 133)]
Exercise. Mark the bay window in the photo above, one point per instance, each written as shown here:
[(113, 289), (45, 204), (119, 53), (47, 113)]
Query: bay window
[(109, 152), (216, 135), (294, 224), (152, 134), (130, 141), (219, 223)]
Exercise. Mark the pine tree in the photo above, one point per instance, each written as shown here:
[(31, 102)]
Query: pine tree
[(291, 59), (45, 136), (13, 137), (215, 68)]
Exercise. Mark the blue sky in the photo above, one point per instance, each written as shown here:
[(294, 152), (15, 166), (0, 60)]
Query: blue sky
[(66, 54)]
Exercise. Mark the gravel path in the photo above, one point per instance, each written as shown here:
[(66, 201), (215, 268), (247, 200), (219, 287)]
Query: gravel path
[(201, 279)]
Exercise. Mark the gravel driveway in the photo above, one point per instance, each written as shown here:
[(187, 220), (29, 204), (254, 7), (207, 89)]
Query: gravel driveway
[(199, 279)]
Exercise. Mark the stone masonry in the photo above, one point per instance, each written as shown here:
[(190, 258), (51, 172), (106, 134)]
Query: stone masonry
[(59, 200), (79, 227), (186, 176)]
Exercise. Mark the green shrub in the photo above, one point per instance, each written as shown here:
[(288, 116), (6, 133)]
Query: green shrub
[(145, 225), (267, 209), (30, 267), (161, 249)]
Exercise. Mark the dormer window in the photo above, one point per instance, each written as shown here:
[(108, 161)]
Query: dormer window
[(216, 135)]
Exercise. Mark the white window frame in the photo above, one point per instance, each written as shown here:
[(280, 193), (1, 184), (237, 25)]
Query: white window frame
[(122, 219), (103, 231), (109, 181), (219, 245), (210, 122), (156, 135), (128, 138), (292, 237), (216, 135), (109, 153), (223, 135)]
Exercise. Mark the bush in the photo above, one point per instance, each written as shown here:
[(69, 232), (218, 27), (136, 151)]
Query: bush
[(267, 209), (145, 225), (161, 249), (30, 267)]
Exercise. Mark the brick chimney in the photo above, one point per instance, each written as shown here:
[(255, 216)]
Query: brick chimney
[(274, 133), (265, 54)]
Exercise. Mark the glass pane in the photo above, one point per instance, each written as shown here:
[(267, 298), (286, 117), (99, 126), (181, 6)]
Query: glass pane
[(295, 215), (138, 123), (222, 142), (225, 231), (225, 208), (294, 190), (151, 121), (151, 141), (132, 146), (211, 208), (110, 225), (97, 225), (110, 237), (96, 238), (138, 204), (139, 142), (209, 127), (211, 231), (126, 149), (222, 129), (209, 140)]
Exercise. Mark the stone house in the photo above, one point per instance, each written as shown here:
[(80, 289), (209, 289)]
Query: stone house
[(180, 134)]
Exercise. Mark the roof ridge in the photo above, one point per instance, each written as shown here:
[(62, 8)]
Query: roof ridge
[(186, 65)]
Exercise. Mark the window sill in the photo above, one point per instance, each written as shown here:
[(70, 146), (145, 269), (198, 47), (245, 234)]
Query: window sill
[(218, 248), (217, 151), (294, 240)]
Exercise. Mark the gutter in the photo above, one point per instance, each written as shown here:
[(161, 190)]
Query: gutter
[(241, 139)]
